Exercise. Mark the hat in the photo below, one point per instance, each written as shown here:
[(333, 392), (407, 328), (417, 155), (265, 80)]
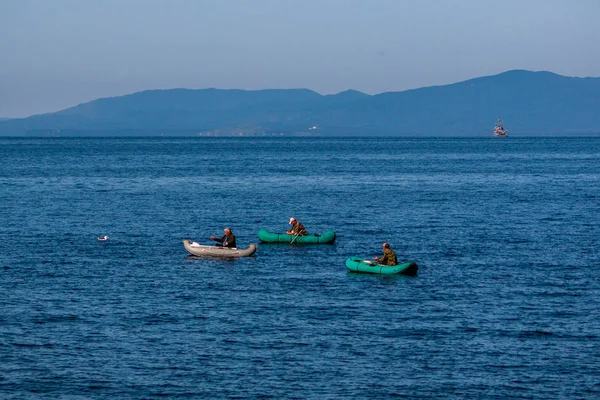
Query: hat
[(292, 219)]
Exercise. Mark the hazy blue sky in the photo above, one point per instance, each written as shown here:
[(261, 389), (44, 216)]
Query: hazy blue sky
[(57, 53)]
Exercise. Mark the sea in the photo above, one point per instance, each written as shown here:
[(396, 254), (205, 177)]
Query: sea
[(506, 234)]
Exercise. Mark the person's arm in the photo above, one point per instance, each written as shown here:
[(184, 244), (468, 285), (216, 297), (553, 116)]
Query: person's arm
[(230, 241), (216, 239), (298, 230)]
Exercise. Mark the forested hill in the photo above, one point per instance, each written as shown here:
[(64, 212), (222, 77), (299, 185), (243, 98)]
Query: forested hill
[(530, 103)]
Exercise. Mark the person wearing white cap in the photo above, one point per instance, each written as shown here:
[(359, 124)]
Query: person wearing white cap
[(297, 228)]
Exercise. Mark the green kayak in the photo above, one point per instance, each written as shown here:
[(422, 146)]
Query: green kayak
[(356, 264), (268, 237)]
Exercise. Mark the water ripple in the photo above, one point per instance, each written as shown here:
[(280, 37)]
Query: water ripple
[(504, 306)]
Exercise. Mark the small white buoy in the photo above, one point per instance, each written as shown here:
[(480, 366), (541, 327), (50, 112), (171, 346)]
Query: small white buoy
[(103, 239)]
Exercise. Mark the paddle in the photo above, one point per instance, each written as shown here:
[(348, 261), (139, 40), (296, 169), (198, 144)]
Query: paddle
[(295, 237)]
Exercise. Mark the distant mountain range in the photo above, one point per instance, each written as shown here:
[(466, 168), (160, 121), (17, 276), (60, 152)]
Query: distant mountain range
[(530, 103)]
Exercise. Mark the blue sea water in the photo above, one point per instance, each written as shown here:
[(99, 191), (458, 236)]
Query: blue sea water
[(505, 232)]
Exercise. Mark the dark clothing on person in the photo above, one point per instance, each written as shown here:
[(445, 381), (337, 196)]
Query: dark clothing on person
[(298, 229), (388, 258), (226, 240)]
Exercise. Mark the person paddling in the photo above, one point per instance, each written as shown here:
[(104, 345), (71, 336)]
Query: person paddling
[(228, 240), (389, 256), (297, 228)]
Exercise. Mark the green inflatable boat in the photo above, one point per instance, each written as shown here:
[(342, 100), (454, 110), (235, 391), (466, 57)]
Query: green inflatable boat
[(267, 237), (360, 265)]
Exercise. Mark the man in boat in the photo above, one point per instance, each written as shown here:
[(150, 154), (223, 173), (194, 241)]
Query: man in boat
[(389, 256), (297, 228), (228, 239)]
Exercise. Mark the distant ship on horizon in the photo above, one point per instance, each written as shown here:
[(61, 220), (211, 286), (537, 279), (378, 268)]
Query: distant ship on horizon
[(499, 130)]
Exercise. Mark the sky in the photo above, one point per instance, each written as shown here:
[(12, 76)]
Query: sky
[(57, 54)]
